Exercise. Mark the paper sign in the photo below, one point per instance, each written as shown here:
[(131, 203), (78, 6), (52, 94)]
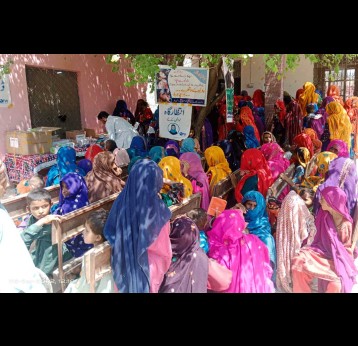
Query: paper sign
[(14, 142), (5, 98)]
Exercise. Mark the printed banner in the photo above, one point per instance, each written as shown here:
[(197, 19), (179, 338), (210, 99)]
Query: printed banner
[(187, 85), (174, 121), (5, 98), (228, 75), (230, 105)]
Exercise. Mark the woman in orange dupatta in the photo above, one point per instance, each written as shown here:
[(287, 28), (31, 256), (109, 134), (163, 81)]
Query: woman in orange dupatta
[(339, 124), (218, 166), (335, 92), (247, 118), (309, 95), (104, 179), (256, 174)]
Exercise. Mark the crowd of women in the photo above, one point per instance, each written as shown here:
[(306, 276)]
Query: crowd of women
[(300, 240)]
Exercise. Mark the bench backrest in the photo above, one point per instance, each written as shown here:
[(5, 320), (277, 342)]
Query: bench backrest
[(97, 264), (73, 224), (277, 187), (224, 186), (188, 204)]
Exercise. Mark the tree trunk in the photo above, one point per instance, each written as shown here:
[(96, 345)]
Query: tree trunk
[(211, 99)]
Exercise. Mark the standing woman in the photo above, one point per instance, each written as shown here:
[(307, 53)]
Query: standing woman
[(138, 229)]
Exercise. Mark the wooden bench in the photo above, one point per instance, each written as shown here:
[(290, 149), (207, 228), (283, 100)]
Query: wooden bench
[(188, 204), (16, 206), (224, 186), (277, 187), (97, 264), (70, 226)]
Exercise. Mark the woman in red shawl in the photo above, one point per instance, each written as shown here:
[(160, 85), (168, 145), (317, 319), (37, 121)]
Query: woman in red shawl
[(223, 127), (304, 141), (92, 151), (247, 118), (258, 98), (280, 106), (256, 174)]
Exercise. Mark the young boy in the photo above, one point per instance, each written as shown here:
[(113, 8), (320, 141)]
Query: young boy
[(200, 217), (44, 254), (93, 234)]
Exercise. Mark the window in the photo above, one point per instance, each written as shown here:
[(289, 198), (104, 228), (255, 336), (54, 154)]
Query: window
[(346, 79)]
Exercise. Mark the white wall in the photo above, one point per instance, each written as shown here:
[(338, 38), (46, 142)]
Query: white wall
[(257, 68), (295, 79), (292, 80)]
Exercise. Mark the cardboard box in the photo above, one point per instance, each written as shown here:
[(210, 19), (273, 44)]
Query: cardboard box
[(28, 142), (90, 133), (74, 133)]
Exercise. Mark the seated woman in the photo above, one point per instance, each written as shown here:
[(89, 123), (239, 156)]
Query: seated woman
[(92, 151), (195, 173), (273, 153), (104, 179), (229, 153), (250, 139), (218, 166), (244, 254), (138, 147), (172, 148), (256, 174), (73, 195), (138, 231), (338, 147), (122, 157), (66, 163), (328, 255), (341, 172), (156, 153), (171, 170), (86, 165), (254, 208), (303, 158), (188, 146), (294, 224)]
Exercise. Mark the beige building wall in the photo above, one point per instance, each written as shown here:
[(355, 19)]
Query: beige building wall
[(253, 75)]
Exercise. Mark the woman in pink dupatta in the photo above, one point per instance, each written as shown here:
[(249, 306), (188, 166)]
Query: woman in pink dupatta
[(196, 171), (244, 254), (338, 147), (274, 155), (329, 257)]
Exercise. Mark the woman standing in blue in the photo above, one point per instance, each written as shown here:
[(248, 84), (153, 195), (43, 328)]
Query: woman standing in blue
[(258, 223)]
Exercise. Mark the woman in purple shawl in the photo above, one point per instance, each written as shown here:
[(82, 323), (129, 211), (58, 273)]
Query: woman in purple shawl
[(197, 172), (342, 172), (206, 136), (73, 195), (329, 257), (85, 164), (172, 148), (188, 271), (321, 125)]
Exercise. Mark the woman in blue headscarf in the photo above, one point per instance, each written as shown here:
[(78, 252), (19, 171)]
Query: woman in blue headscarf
[(66, 162), (138, 229), (258, 222), (138, 147), (156, 153), (188, 146), (250, 138), (231, 158)]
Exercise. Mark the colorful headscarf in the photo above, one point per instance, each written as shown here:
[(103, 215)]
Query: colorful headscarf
[(253, 160), (334, 92), (188, 146), (340, 146), (172, 148), (218, 166), (103, 180), (303, 156), (303, 140), (122, 157), (258, 222), (136, 218), (85, 164), (92, 151), (66, 163), (308, 96), (171, 170), (282, 115), (188, 271), (339, 124), (271, 134), (326, 240), (258, 98), (294, 224), (197, 172), (293, 121), (156, 153), (247, 118), (139, 146), (273, 154), (250, 139), (133, 161), (244, 254)]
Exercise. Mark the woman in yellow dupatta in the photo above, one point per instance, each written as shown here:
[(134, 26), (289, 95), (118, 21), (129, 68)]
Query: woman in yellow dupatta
[(309, 95), (218, 166), (321, 161), (339, 124), (170, 166)]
